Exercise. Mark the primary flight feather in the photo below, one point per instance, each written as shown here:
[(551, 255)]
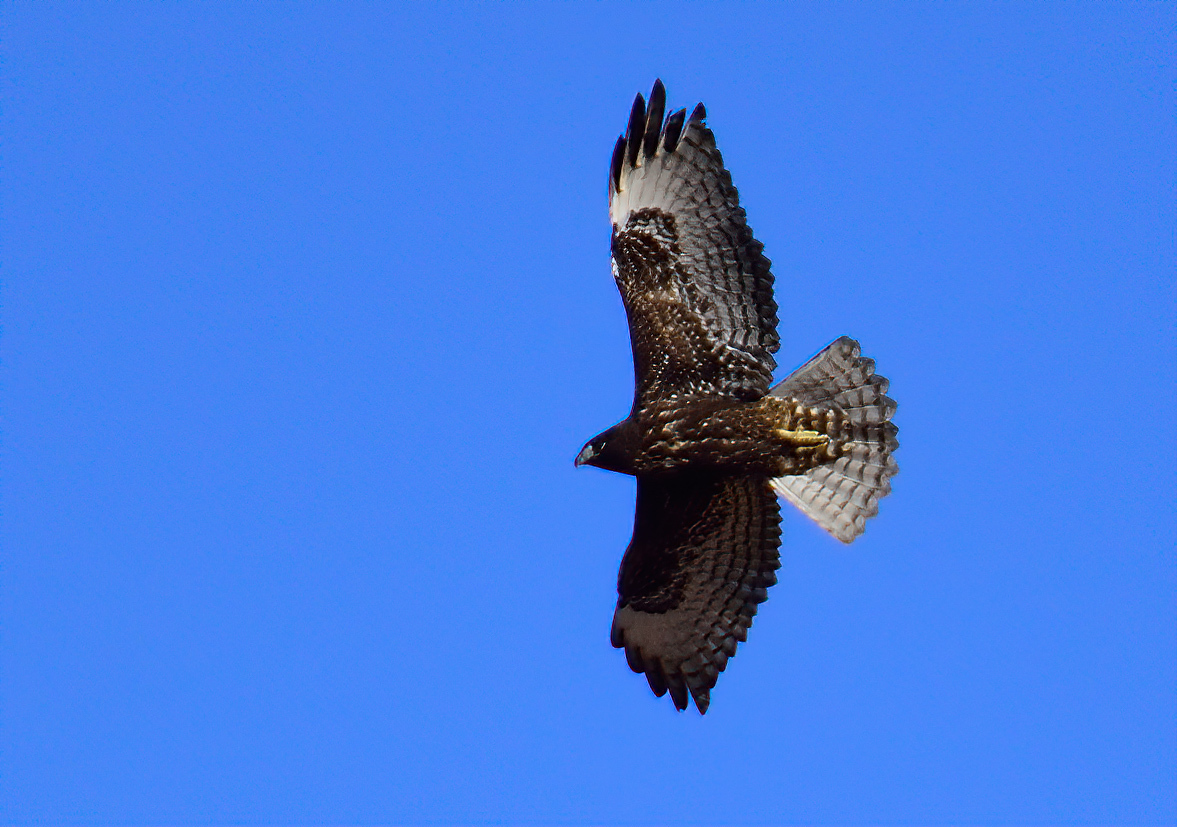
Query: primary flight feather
[(711, 444)]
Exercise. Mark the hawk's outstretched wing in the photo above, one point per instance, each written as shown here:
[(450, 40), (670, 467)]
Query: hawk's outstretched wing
[(696, 287), (703, 554)]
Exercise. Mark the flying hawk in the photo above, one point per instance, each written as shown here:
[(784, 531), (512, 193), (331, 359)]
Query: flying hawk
[(710, 442)]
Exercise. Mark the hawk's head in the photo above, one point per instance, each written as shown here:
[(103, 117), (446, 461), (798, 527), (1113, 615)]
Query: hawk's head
[(591, 451), (612, 450)]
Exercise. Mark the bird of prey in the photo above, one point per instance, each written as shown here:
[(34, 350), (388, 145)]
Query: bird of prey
[(711, 443)]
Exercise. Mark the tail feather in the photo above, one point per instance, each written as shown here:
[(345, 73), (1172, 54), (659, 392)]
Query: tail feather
[(843, 494)]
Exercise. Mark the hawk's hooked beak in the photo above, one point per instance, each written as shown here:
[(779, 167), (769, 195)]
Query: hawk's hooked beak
[(586, 453)]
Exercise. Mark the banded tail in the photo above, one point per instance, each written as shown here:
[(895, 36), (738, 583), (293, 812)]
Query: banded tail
[(842, 495)]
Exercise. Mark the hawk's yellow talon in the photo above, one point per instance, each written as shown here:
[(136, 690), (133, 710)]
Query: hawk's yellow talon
[(802, 438)]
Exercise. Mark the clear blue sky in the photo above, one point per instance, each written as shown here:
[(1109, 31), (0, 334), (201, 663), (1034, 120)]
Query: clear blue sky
[(307, 310)]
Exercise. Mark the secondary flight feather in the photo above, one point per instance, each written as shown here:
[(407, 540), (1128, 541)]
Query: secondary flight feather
[(711, 443)]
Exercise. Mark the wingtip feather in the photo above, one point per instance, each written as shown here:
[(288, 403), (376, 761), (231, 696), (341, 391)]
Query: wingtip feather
[(673, 130), (654, 112), (702, 700), (637, 125)]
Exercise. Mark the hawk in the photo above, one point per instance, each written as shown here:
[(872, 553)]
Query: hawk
[(711, 444)]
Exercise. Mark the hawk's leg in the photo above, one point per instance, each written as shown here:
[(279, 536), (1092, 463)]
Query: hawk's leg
[(808, 436), (802, 439)]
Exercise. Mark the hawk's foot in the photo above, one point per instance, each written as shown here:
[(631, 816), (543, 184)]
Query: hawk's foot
[(803, 440)]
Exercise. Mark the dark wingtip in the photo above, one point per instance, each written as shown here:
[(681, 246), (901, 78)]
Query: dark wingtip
[(655, 678), (702, 700), (654, 114), (615, 164), (633, 657), (637, 127), (674, 129), (700, 114)]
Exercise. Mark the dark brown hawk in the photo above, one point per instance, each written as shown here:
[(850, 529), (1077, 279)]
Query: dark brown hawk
[(710, 442)]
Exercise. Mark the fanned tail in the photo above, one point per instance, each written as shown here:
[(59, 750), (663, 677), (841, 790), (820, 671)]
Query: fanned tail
[(841, 495)]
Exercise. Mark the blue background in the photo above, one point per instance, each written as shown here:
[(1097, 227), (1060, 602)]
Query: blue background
[(307, 310)]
